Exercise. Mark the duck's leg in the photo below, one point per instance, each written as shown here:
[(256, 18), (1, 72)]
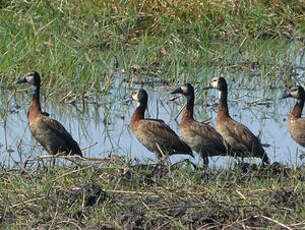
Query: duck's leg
[(52, 163), (205, 158), (265, 159), (206, 161), (163, 158)]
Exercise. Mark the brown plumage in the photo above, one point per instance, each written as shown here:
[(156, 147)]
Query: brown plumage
[(155, 134), (242, 141), (296, 123), (48, 132), (201, 137)]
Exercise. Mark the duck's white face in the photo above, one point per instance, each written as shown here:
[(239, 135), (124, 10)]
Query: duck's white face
[(214, 82), (30, 78), (294, 92), (184, 89), (135, 95)]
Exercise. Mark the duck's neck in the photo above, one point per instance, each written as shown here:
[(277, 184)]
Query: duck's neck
[(188, 113), (35, 108), (223, 110), (297, 110), (139, 113)]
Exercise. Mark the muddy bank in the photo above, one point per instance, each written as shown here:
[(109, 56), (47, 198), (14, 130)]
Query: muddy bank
[(154, 196)]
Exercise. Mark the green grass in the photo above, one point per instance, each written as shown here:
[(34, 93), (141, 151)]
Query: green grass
[(73, 44), (124, 196)]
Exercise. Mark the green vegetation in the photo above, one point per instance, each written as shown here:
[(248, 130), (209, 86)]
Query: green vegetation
[(82, 47), (74, 44)]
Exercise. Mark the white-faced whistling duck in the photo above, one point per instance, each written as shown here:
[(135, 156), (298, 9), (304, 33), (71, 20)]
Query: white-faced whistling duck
[(154, 134), (296, 123), (242, 141), (48, 132), (201, 137)]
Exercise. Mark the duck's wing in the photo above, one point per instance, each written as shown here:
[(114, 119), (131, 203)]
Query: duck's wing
[(48, 129), (160, 133)]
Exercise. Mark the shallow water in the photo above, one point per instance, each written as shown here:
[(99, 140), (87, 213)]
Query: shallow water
[(105, 124), (108, 125)]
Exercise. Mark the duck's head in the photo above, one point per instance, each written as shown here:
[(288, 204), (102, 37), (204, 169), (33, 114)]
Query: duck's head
[(32, 78), (140, 96), (218, 83), (296, 92), (186, 89)]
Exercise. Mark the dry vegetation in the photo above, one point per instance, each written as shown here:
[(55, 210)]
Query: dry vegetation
[(120, 196)]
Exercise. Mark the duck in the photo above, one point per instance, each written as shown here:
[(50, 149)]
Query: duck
[(242, 141), (51, 134), (154, 134), (296, 123), (201, 137)]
